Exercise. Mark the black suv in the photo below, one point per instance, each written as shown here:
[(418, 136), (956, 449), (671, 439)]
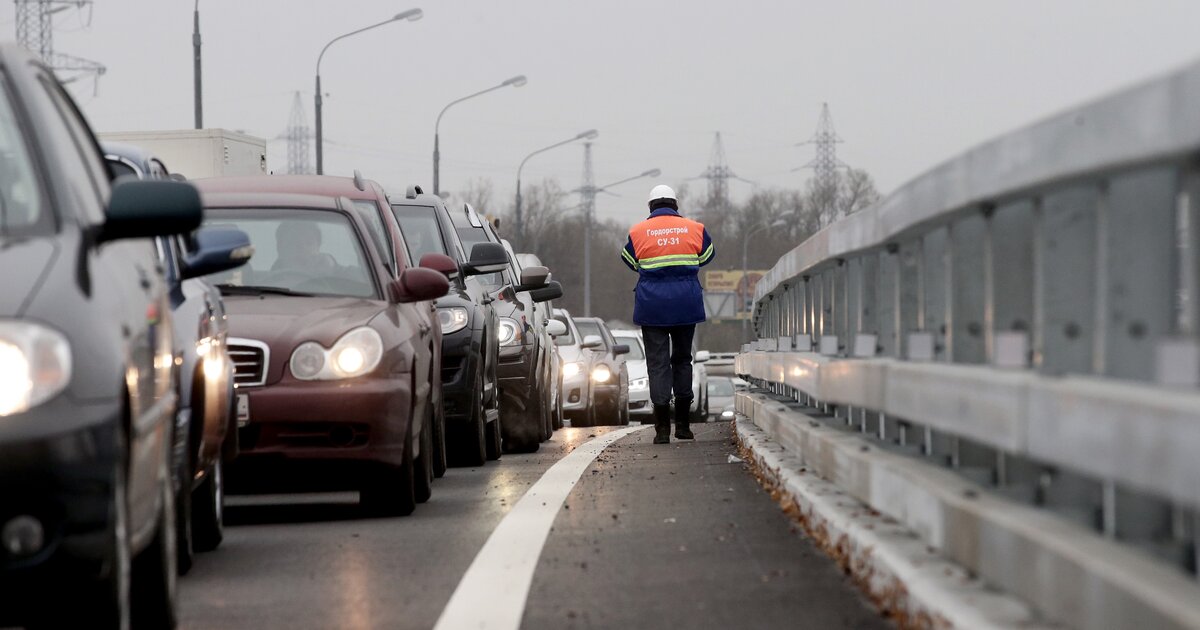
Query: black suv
[(87, 393), (470, 345), (525, 365)]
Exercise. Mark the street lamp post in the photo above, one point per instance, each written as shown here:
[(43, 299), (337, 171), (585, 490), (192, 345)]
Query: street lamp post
[(780, 223), (516, 81), (590, 134), (589, 205), (196, 86), (412, 15)]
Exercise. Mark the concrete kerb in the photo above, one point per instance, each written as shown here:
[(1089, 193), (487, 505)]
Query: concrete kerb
[(901, 574), (1067, 573)]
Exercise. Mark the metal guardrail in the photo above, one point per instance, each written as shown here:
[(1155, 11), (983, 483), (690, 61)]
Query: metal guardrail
[(1025, 313)]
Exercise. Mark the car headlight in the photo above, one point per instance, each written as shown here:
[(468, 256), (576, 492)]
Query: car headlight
[(35, 365), (571, 369), (728, 413), (639, 383), (509, 332), (601, 374), (354, 354), (453, 319)]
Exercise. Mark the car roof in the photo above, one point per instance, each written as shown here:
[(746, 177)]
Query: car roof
[(266, 200), (323, 185)]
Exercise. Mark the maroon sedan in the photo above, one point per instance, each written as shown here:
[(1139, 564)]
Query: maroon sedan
[(330, 345)]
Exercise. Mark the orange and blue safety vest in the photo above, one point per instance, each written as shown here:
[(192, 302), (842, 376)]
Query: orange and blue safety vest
[(667, 251)]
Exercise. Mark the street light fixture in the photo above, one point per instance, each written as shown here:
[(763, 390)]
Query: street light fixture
[(516, 81), (412, 15), (590, 134), (589, 204), (196, 85), (775, 225)]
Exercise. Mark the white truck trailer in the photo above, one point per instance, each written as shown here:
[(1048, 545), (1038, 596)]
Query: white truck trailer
[(197, 153)]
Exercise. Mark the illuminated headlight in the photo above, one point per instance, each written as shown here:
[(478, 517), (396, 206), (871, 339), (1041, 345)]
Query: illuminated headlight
[(355, 353), (509, 332), (35, 365), (601, 374), (453, 319), (727, 414), (639, 383), (571, 369)]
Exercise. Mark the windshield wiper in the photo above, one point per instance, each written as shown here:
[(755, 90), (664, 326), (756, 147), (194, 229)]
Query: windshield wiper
[(250, 289)]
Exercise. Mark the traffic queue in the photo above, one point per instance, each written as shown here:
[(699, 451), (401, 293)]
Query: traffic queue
[(165, 341)]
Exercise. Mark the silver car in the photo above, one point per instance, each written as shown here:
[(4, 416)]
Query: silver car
[(720, 397), (577, 395), (639, 381)]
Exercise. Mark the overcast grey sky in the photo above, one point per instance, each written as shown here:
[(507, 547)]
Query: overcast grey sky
[(910, 83)]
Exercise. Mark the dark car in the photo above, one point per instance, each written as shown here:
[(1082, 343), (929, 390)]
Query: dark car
[(470, 347), (370, 201), (87, 371), (609, 375), (206, 420), (525, 366), (330, 365)]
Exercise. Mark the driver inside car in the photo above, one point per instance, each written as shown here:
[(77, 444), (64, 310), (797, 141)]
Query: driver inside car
[(298, 244)]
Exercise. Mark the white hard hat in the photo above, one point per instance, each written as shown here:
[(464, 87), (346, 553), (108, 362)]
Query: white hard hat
[(661, 191)]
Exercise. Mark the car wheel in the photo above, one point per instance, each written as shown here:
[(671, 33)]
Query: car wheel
[(423, 488), (208, 509), (557, 418), (470, 447), (625, 414), (492, 439), (439, 440), (105, 603), (390, 490), (154, 575), (523, 430), (185, 542)]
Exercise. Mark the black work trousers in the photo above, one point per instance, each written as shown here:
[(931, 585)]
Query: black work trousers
[(669, 362)]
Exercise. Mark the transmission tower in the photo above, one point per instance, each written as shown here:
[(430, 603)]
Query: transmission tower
[(588, 193), (297, 139), (35, 32), (825, 164), (718, 175)]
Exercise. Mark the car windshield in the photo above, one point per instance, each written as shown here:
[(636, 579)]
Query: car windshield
[(296, 252), (21, 208), (635, 347), (419, 226), (566, 339), (719, 386)]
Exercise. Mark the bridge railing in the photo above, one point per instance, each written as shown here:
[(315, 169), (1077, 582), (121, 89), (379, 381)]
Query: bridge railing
[(1026, 313)]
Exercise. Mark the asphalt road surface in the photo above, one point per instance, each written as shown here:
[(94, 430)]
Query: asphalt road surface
[(650, 536)]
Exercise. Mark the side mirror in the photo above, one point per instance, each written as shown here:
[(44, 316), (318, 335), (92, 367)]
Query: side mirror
[(533, 278), (551, 291), (486, 258), (592, 341), (416, 284), (556, 328), (216, 249), (145, 209), (702, 357), (440, 263), (620, 349)]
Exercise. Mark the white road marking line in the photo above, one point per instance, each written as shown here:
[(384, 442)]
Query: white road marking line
[(493, 591)]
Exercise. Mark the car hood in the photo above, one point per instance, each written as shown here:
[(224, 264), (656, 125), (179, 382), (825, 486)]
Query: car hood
[(22, 266), (720, 402), (570, 353), (637, 368), (284, 322)]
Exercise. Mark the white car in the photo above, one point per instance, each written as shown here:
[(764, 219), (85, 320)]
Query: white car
[(699, 408), (721, 391), (639, 380), (576, 366)]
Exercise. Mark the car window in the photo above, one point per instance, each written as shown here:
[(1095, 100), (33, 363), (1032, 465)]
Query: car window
[(720, 387), (472, 236), (567, 339), (422, 235), (81, 135), (21, 206), (314, 252), (588, 328), (635, 347), (369, 211)]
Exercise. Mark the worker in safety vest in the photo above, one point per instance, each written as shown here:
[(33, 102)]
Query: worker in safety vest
[(667, 250)]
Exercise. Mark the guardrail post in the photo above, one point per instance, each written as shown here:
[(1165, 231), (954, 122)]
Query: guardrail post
[(1068, 233), (933, 277), (887, 301)]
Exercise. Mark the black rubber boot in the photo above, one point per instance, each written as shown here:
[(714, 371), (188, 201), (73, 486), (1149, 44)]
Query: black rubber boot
[(682, 430), (662, 424)]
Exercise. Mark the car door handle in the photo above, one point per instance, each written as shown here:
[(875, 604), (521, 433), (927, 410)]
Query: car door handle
[(143, 279)]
